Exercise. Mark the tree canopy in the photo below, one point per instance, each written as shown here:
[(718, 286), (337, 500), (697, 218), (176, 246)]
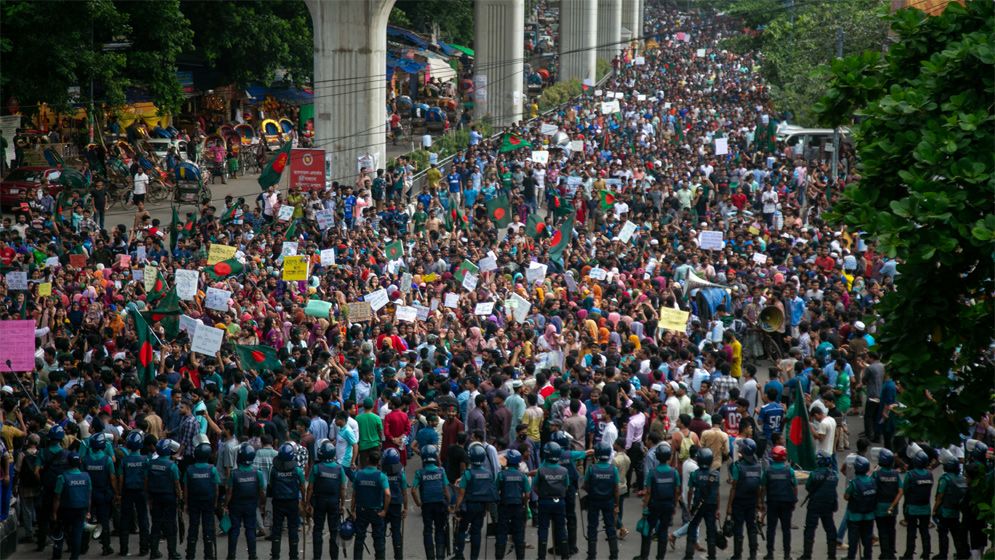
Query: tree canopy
[(924, 135)]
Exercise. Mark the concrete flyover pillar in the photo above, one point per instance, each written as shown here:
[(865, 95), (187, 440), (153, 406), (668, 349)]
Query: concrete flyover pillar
[(630, 16), (609, 28), (499, 45), (350, 81), (578, 39), (640, 21)]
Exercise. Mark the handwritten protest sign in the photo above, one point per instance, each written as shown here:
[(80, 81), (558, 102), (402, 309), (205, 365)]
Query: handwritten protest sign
[(674, 319), (295, 268), (710, 240), (186, 283), (218, 253), (207, 340), (217, 299), (18, 344), (406, 313), (377, 299), (360, 311)]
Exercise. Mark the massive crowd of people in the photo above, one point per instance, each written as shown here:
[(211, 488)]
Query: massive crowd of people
[(523, 370)]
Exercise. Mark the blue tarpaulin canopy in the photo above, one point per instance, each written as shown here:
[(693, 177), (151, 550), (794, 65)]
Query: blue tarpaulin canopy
[(409, 36), (289, 94)]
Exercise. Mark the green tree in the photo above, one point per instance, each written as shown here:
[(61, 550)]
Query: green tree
[(924, 137), (454, 18), (159, 34)]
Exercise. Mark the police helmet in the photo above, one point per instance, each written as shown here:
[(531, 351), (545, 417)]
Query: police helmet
[(56, 434), (202, 453), (246, 454), (861, 465), (98, 441), (326, 451), (551, 452), (951, 465), (346, 529), (977, 449), (704, 458), (886, 458), (823, 459), (286, 452), (74, 460), (513, 458), (430, 455), (920, 460), (561, 438), (664, 453), (747, 448), (602, 451), (477, 455), (164, 447), (390, 461), (779, 453), (135, 440)]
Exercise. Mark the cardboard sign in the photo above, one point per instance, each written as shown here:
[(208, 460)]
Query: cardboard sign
[(17, 280), (405, 283), (674, 319), (540, 156), (18, 345), (186, 283), (124, 261), (377, 299), (759, 258), (535, 273), (218, 253), (484, 308), (149, 276), (423, 312), (318, 308), (189, 325), (609, 107), (721, 146), (452, 301), (548, 129), (469, 281), (327, 257), (576, 146), (436, 302), (710, 240), (44, 289), (285, 213), (325, 219), (488, 264), (522, 307), (295, 268), (307, 169), (141, 254), (406, 313), (428, 278), (598, 273), (217, 299), (207, 340), (625, 234), (360, 311)]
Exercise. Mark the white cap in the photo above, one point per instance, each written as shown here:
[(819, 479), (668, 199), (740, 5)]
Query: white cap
[(7, 389), (657, 387), (859, 325)]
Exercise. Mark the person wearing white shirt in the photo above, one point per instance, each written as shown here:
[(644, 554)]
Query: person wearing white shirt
[(673, 404), (823, 430), (141, 186), (610, 432)]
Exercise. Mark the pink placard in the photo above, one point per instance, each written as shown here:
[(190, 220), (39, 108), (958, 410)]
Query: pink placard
[(18, 345)]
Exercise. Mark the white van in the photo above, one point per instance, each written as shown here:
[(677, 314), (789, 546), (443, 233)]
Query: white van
[(810, 143)]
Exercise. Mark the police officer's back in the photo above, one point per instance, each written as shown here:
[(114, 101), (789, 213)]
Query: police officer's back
[(663, 491), (71, 500), (201, 492), (601, 485), (551, 483), (325, 493), (861, 494), (163, 487), (822, 487), (286, 480), (131, 473)]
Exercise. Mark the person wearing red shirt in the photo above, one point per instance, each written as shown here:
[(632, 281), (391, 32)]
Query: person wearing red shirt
[(739, 200), (825, 263), (396, 425)]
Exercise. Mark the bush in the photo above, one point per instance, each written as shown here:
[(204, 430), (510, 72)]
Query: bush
[(602, 68), (558, 94)]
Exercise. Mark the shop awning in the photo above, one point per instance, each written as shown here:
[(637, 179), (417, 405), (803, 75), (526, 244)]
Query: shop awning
[(407, 65), (465, 50), (407, 35), (287, 94)]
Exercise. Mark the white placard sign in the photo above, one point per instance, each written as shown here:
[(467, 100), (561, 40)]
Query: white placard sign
[(598, 93), (377, 299), (759, 258), (289, 249), (540, 156), (610, 94), (17, 280), (405, 283), (406, 313), (484, 308), (625, 234), (710, 240), (217, 299), (285, 213), (189, 324), (721, 146), (641, 97), (640, 60), (576, 146), (522, 307), (536, 272), (186, 283), (598, 273), (328, 257), (699, 53), (609, 107), (548, 129), (571, 283), (207, 340), (452, 301), (487, 264), (422, 312), (619, 95), (470, 281), (325, 219)]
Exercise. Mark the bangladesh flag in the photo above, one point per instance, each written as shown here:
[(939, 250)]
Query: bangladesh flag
[(158, 289), (562, 207), (145, 355), (464, 267), (454, 217), (229, 215), (535, 227), (607, 199), (511, 142), (772, 135), (561, 240), (174, 230), (394, 250), (291, 232), (499, 209), (167, 312), (800, 444), (274, 169), (258, 357), (223, 269)]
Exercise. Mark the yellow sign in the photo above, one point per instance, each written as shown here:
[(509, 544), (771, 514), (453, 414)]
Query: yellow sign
[(754, 230), (220, 253), (295, 267), (44, 289), (674, 319), (430, 277)]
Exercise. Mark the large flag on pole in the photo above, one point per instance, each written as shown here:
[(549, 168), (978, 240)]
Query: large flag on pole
[(274, 169), (799, 440), (561, 240), (499, 209), (259, 358), (145, 357)]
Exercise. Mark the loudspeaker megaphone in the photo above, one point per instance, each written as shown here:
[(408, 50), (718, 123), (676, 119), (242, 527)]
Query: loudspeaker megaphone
[(94, 530)]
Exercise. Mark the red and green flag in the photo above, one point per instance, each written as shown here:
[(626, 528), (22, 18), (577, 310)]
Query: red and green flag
[(144, 356), (394, 250), (229, 214), (561, 240), (456, 217), (167, 313), (562, 207), (158, 288), (257, 357), (535, 227), (607, 199), (499, 209), (511, 142), (464, 267), (678, 131), (800, 443), (274, 169), (223, 269), (174, 230)]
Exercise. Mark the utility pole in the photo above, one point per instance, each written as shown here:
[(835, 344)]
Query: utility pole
[(836, 131)]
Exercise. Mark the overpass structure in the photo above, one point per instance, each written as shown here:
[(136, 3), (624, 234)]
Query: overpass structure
[(350, 69)]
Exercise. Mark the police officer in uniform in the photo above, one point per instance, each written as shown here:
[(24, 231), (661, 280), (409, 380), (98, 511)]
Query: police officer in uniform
[(822, 504), (100, 467), (781, 489), (663, 492), (70, 501), (888, 484), (51, 463), (568, 459), (862, 495), (951, 490), (513, 494), (371, 500), (551, 483), (430, 491), (390, 463), (601, 485), (201, 494), (917, 487), (131, 473), (478, 489), (325, 491), (287, 481), (162, 483), (744, 498), (246, 494), (703, 494)]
